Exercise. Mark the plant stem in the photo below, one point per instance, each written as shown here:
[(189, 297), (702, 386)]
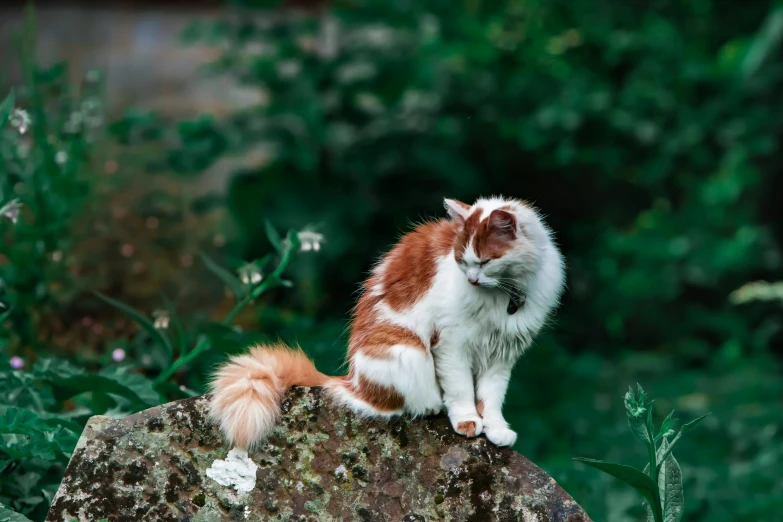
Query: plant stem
[(203, 344)]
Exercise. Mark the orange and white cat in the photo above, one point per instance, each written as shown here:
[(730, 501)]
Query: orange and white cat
[(441, 321)]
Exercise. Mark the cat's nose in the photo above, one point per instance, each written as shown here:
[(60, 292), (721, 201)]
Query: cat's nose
[(473, 277)]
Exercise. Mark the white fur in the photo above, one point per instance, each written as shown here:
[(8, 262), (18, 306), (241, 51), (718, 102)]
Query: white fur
[(410, 371), (479, 341)]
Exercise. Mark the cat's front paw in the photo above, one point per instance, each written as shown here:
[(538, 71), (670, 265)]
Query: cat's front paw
[(468, 426), (501, 435)]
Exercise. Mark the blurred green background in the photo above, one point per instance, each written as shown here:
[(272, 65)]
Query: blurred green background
[(648, 133)]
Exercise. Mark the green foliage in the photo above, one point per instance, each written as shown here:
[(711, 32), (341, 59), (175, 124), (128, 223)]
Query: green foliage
[(7, 515), (51, 143), (640, 137), (45, 408), (40, 429), (6, 106), (661, 482)]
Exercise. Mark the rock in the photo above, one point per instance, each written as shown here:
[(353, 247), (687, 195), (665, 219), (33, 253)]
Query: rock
[(323, 463)]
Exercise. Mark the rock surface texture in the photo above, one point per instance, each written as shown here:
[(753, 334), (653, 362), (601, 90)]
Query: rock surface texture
[(322, 464)]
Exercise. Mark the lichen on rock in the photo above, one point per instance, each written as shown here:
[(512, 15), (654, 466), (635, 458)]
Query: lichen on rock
[(322, 463)]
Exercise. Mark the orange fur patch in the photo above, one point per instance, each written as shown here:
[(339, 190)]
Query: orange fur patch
[(494, 236), (376, 339), (409, 268), (480, 407), (467, 428), (465, 234), (490, 239), (382, 398)]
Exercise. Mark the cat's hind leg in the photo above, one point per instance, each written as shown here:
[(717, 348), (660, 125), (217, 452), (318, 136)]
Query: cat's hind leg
[(399, 378)]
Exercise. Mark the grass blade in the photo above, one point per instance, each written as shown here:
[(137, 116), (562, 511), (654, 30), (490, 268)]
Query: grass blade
[(6, 106), (140, 319), (228, 278), (274, 237)]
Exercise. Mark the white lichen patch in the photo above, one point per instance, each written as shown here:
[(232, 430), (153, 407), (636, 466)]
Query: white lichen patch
[(238, 470), (341, 472)]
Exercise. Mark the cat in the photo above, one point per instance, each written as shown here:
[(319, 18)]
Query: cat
[(441, 321)]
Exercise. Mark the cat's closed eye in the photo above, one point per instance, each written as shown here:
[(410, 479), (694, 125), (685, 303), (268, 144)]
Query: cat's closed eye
[(484, 262)]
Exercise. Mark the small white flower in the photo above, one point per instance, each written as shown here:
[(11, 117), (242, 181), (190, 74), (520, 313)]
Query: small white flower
[(16, 362), (310, 241), (161, 319), (118, 354), (20, 120), (250, 274), (61, 157), (10, 210)]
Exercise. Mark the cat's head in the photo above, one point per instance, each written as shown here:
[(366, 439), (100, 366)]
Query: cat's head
[(499, 241)]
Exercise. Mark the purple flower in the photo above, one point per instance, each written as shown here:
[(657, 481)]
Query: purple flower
[(118, 354), (17, 363)]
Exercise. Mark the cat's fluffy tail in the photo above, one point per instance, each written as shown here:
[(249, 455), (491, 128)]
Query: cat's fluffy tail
[(247, 391)]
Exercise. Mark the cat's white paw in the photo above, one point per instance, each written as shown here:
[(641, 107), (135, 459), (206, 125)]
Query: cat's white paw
[(501, 435), (469, 426)]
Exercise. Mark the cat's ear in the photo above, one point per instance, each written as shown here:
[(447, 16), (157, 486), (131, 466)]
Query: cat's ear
[(503, 224), (458, 211)]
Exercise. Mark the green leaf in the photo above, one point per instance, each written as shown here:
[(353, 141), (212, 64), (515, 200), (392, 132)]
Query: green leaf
[(72, 381), (273, 236), (9, 515), (65, 440), (634, 478), (50, 369), (668, 424), (137, 384), (159, 338), (20, 421), (650, 515), (670, 487), (6, 106), (685, 429), (669, 484), (228, 278), (27, 446)]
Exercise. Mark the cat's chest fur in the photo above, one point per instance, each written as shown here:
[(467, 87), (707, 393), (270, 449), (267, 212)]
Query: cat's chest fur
[(479, 322)]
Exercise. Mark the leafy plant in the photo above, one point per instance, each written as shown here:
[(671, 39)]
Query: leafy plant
[(52, 147), (44, 409), (661, 481)]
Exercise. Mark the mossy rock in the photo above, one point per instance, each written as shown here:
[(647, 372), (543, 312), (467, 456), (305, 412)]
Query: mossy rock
[(323, 463)]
